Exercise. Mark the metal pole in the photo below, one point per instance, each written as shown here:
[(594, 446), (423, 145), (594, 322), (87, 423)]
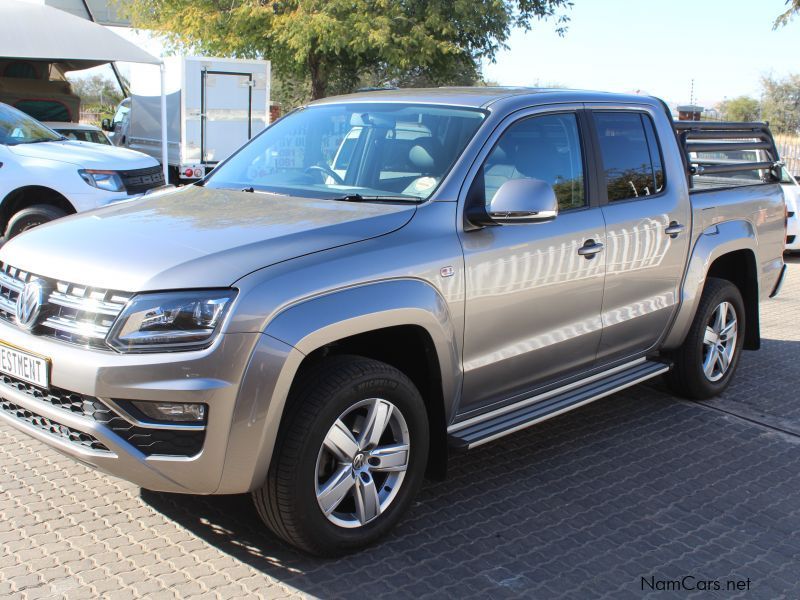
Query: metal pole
[(164, 147), (120, 81)]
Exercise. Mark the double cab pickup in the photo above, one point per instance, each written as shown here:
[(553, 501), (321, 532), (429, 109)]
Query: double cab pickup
[(378, 279)]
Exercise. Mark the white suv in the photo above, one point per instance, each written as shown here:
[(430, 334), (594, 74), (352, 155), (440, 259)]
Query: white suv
[(44, 176)]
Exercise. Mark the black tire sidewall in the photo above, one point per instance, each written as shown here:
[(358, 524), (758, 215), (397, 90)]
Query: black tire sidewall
[(328, 537), (720, 291), (31, 217)]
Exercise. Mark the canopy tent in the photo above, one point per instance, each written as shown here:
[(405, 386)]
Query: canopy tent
[(45, 34)]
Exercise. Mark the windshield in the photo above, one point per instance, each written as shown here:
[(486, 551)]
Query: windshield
[(374, 151), (18, 128), (84, 135)]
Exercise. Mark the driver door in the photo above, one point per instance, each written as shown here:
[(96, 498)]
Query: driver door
[(533, 296)]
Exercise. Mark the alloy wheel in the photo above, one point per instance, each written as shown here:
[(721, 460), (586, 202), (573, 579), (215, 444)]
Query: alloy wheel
[(362, 463), (719, 341)]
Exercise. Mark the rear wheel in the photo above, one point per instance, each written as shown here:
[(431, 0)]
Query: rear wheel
[(30, 217), (704, 365), (349, 459)]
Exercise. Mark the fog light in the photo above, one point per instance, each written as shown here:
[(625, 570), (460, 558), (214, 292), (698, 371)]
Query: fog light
[(183, 412)]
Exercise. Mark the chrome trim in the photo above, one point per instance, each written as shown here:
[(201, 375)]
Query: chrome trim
[(11, 283), (527, 424), (146, 424), (91, 305), (7, 305), (81, 328), (540, 397)]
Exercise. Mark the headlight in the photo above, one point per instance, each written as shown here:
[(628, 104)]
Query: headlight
[(109, 181), (169, 321)]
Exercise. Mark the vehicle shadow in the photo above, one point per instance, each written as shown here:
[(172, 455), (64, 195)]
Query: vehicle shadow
[(592, 500)]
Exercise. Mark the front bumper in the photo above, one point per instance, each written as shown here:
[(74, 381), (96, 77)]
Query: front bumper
[(80, 415)]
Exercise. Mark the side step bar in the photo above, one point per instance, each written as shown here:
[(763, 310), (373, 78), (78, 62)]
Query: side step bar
[(496, 424)]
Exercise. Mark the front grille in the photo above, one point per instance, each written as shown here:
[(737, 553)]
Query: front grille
[(72, 312), (148, 441), (51, 427), (138, 181)]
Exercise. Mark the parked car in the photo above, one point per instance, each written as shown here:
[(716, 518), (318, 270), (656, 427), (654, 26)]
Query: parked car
[(44, 176), (791, 193), (214, 106), (79, 132), (791, 188), (320, 335)]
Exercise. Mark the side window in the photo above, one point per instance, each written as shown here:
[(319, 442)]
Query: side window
[(547, 148), (630, 153)]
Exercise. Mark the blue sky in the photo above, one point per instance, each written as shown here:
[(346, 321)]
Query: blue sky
[(656, 47)]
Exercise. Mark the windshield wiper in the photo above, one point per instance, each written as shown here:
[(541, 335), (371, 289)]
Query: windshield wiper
[(362, 198), (40, 141)]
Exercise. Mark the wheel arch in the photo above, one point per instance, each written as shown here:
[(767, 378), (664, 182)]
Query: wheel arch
[(30, 195), (403, 322), (726, 251)]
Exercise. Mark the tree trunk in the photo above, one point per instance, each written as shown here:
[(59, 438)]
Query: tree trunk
[(319, 78)]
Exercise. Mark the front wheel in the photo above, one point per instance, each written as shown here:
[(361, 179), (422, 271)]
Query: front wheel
[(30, 217), (349, 459), (704, 365)]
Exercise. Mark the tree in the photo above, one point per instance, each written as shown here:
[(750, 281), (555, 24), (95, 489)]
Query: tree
[(784, 18), (96, 90), (337, 45), (781, 103), (743, 108)]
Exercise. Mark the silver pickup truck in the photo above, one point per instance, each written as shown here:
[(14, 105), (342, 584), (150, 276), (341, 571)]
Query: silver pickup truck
[(378, 278)]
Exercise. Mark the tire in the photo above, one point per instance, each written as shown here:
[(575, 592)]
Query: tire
[(30, 217), (344, 390), (690, 376)]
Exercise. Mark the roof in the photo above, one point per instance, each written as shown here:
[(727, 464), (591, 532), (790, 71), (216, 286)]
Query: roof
[(48, 34), (484, 97)]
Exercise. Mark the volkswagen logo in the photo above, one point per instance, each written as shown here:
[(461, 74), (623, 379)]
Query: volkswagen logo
[(29, 303)]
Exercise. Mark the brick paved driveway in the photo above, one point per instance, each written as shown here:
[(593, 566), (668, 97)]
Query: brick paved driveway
[(640, 484)]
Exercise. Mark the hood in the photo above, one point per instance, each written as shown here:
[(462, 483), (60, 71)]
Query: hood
[(86, 155), (194, 237)]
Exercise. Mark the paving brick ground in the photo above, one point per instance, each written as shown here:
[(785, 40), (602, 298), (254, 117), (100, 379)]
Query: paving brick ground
[(640, 484)]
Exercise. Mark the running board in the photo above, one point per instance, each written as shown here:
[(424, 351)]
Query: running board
[(508, 419)]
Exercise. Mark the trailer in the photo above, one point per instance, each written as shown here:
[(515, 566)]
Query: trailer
[(214, 106)]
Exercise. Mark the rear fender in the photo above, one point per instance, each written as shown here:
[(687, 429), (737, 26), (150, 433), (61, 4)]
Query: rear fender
[(715, 242)]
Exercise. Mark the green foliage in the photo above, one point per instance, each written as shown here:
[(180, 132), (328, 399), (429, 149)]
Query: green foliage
[(96, 90), (742, 108), (340, 45), (784, 18), (781, 103)]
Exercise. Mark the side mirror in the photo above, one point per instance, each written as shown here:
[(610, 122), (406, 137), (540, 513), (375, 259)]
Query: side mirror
[(523, 201), (105, 125)]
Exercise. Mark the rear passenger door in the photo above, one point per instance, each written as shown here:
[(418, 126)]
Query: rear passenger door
[(648, 225)]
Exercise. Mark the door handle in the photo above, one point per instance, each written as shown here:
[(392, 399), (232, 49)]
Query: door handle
[(590, 248), (674, 229)]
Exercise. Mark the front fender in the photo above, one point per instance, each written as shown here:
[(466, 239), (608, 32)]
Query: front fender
[(308, 325), (716, 241), (319, 321)]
